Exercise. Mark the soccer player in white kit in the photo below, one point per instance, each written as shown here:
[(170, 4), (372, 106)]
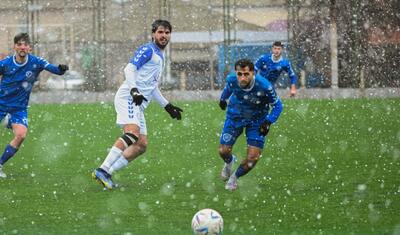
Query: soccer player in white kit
[(140, 86)]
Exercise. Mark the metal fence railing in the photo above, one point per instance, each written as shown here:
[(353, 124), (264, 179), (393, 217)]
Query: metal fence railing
[(330, 43)]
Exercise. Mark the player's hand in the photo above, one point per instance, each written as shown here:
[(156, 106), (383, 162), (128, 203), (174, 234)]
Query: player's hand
[(137, 97), (222, 104), (292, 91), (174, 112), (264, 128), (63, 68)]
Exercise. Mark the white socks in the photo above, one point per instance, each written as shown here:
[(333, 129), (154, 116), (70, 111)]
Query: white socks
[(114, 161), (118, 165), (111, 158)]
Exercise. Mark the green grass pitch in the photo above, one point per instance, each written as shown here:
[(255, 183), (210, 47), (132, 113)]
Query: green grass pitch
[(329, 167)]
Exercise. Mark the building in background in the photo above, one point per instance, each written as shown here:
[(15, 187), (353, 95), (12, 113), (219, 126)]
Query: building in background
[(97, 38)]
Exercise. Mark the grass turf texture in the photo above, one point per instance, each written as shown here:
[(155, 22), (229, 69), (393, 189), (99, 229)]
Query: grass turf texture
[(329, 167)]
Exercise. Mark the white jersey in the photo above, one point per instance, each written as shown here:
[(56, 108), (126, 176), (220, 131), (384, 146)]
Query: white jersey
[(143, 72)]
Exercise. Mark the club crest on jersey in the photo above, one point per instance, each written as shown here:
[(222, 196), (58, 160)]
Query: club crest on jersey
[(226, 137), (28, 74)]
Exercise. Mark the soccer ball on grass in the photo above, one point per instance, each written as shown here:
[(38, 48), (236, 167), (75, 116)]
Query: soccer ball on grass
[(207, 221)]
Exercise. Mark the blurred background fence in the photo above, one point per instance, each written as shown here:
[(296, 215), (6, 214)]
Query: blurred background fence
[(345, 44)]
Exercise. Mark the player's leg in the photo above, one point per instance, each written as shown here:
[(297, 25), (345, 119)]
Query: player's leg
[(136, 150), (115, 160), (128, 117), (133, 151), (19, 124), (225, 152), (129, 154), (255, 143), (129, 138), (228, 138), (253, 154)]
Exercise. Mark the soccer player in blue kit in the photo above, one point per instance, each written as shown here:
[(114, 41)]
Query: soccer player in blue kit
[(142, 74), (271, 65), (253, 106), (19, 73)]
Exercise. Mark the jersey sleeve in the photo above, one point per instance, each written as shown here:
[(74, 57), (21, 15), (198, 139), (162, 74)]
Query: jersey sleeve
[(275, 102), (142, 56), (292, 75), (44, 64), (159, 97), (130, 72), (227, 92)]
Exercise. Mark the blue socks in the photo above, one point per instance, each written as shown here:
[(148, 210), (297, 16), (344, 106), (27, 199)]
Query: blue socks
[(228, 160), (9, 151), (240, 171)]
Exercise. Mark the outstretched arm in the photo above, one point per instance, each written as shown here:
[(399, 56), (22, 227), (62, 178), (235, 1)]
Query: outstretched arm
[(56, 69), (159, 97), (293, 80), (173, 111)]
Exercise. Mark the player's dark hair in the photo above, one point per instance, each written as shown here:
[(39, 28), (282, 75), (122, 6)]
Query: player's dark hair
[(22, 37), (277, 44), (158, 23), (243, 63)]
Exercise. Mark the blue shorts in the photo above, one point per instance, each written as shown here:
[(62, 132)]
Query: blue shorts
[(233, 129), (15, 117)]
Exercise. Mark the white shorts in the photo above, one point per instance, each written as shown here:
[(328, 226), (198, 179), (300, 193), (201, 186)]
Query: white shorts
[(128, 112)]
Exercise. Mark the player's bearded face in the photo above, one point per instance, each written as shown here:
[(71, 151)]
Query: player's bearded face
[(22, 48), (244, 76), (162, 36)]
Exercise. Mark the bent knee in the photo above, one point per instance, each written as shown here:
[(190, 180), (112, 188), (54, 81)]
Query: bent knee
[(20, 135), (142, 146), (223, 151), (249, 163)]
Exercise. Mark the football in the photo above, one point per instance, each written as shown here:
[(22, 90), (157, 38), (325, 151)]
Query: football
[(207, 221)]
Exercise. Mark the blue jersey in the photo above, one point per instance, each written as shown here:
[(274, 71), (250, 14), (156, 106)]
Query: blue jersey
[(17, 80), (271, 69), (252, 104)]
